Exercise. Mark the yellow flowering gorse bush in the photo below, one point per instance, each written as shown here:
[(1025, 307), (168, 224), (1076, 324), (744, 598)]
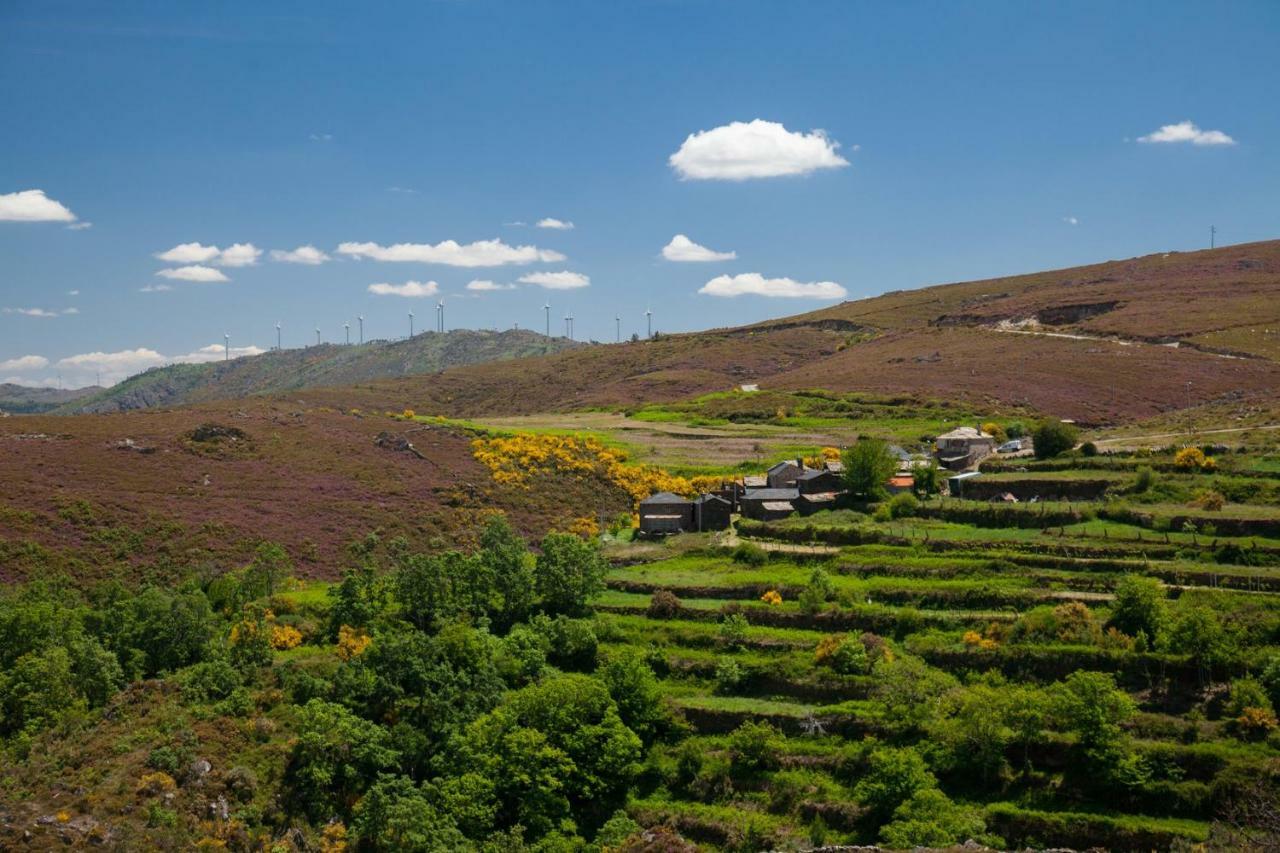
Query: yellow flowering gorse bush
[(515, 460)]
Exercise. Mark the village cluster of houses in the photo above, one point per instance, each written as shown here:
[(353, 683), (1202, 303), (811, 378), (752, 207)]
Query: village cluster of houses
[(791, 486)]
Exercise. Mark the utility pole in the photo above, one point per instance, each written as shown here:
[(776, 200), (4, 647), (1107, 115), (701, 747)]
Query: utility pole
[(1189, 429)]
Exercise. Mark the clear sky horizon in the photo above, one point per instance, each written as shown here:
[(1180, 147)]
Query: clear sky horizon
[(718, 162)]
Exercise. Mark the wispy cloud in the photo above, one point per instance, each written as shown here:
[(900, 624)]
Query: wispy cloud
[(31, 312), (404, 190), (155, 288), (754, 284), (756, 149), (1071, 220), (194, 272), (482, 253), (79, 226), (682, 249), (33, 206), (555, 224), (321, 137), (1187, 132), (484, 286), (410, 289), (308, 254), (564, 280)]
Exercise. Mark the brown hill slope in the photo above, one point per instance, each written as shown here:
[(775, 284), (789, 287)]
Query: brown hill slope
[(153, 493), (1104, 343)]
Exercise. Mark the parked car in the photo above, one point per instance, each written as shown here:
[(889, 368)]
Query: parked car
[(1010, 446)]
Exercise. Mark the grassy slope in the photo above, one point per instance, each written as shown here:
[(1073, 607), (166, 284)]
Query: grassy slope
[(328, 364), (940, 341)]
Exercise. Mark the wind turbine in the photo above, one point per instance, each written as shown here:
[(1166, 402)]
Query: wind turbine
[(278, 347), (617, 322), (361, 321), (440, 316), (547, 308), (346, 328), (648, 318), (411, 324), (317, 336), (226, 343)]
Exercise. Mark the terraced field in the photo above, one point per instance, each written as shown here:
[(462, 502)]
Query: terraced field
[(962, 615)]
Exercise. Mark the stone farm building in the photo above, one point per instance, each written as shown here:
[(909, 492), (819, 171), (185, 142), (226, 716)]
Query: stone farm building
[(964, 447), (666, 513)]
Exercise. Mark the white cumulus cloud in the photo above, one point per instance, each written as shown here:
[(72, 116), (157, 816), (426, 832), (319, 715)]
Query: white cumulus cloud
[(189, 253), (1187, 131), (681, 248), (32, 206), (236, 255), (194, 272), (563, 280), (239, 255), (26, 362), (755, 149), (411, 289), (308, 254), (556, 224), (482, 253), (84, 369), (754, 284), (483, 285)]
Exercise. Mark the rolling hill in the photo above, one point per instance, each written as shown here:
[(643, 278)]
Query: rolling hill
[(327, 364), (1103, 344), (22, 400)]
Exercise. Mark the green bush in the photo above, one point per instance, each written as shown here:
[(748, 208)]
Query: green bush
[(1052, 437), (750, 554)]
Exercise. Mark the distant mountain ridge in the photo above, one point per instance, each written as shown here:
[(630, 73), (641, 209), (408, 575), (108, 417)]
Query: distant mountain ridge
[(23, 400), (283, 371)]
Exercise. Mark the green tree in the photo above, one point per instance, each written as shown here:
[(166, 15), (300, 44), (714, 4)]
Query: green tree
[(335, 757), (1139, 606), (1052, 437), (1197, 632), (893, 776), (358, 600), (270, 567), (1090, 706), (928, 818), (38, 690), (511, 567), (754, 747), (868, 465), (424, 586), (397, 815), (158, 631), (635, 690), (568, 574), (556, 749), (973, 723), (926, 479)]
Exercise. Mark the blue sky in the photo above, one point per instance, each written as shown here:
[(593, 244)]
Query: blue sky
[(956, 141)]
